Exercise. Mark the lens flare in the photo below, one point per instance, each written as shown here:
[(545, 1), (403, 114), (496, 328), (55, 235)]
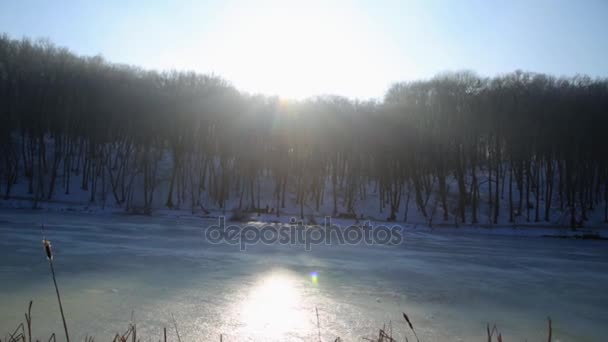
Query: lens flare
[(314, 277)]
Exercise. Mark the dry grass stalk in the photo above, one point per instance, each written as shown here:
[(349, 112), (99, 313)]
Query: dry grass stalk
[(318, 323), (130, 333), (28, 319), (176, 330), (493, 331), (14, 337), (409, 323), (49, 255), (384, 334)]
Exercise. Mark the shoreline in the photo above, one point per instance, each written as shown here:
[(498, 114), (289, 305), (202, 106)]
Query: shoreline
[(545, 230)]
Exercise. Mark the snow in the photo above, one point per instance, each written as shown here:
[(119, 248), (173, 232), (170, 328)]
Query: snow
[(80, 200), (450, 281)]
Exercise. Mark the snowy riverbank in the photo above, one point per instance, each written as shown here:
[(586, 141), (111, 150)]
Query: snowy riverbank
[(541, 229)]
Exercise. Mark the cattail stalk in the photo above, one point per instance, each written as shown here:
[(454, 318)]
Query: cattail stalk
[(407, 319), (49, 255), (28, 319)]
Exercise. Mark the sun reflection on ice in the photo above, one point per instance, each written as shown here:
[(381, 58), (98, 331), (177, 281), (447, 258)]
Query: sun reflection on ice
[(274, 309)]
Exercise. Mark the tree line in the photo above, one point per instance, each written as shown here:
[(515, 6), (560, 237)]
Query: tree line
[(522, 145)]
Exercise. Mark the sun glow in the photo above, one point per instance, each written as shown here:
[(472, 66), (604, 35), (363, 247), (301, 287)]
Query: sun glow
[(296, 51), (274, 308)]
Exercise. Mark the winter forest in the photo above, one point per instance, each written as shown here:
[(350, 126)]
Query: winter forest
[(522, 145)]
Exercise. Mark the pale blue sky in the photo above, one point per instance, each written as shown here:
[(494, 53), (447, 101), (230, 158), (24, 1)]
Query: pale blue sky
[(351, 48)]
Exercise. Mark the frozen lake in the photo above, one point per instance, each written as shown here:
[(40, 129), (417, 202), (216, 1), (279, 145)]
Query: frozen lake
[(450, 284)]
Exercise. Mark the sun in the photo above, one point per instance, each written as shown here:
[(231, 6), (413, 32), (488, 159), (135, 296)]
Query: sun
[(294, 51)]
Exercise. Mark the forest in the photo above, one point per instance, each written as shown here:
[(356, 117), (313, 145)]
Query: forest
[(522, 144)]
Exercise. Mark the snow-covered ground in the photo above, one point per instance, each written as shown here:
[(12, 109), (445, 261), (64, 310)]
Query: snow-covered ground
[(451, 284), (367, 207)]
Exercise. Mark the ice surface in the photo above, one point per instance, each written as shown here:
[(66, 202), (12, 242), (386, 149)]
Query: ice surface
[(449, 282)]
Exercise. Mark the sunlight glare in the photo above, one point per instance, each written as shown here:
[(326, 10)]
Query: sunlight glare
[(299, 51), (274, 307)]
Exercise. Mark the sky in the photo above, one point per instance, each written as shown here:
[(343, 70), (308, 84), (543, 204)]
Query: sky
[(297, 49)]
